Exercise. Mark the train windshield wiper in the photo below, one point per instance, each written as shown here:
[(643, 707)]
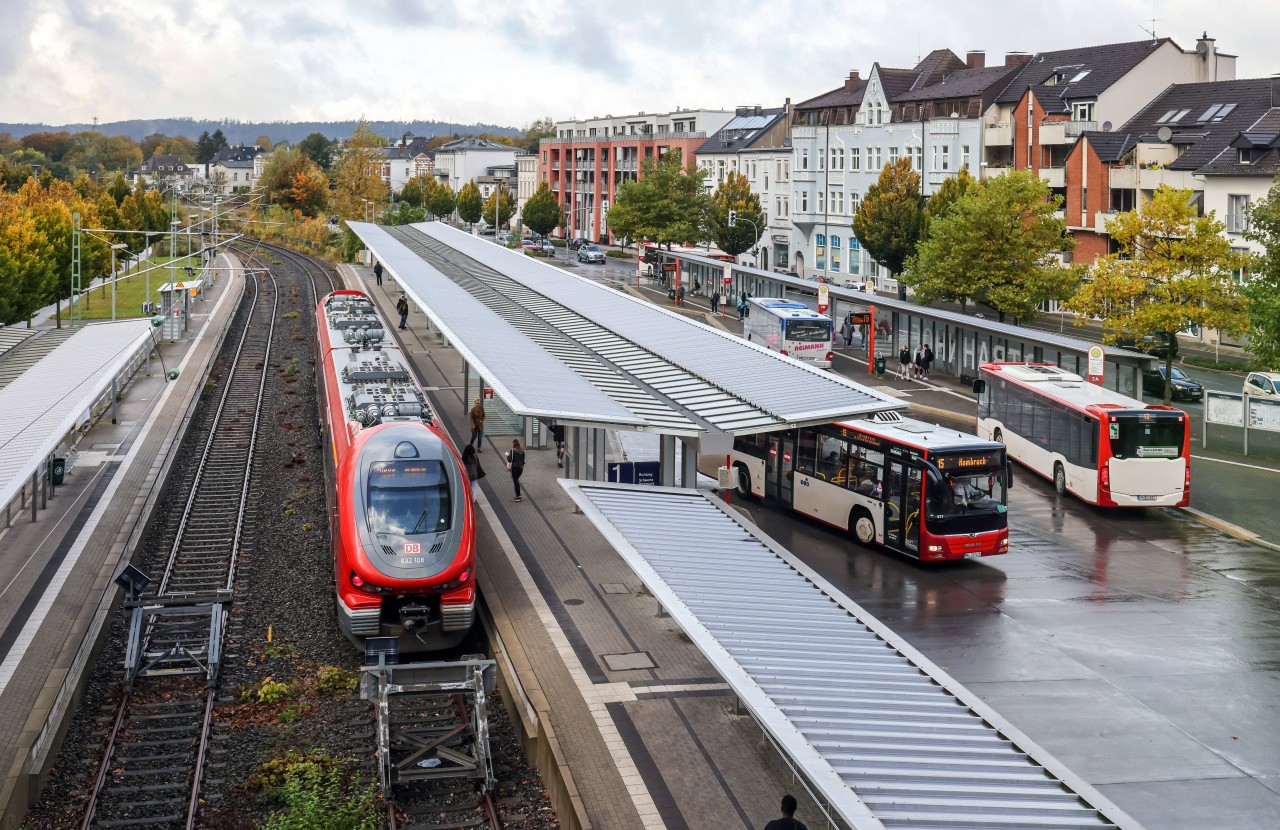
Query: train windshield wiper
[(417, 527)]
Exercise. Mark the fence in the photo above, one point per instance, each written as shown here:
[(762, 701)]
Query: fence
[(1242, 423)]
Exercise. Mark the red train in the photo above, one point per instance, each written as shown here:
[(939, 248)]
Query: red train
[(400, 508)]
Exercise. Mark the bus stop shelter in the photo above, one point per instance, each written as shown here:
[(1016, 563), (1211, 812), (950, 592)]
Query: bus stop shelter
[(960, 342), (554, 346)]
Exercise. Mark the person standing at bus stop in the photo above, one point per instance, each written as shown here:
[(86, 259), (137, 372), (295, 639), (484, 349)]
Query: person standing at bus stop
[(402, 308), (377, 271), (715, 300), (904, 361)]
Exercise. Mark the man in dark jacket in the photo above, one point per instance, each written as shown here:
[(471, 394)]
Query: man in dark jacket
[(788, 820), (377, 272), (402, 307)]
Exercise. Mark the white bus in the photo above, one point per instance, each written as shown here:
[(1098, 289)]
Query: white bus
[(1106, 448), (790, 328), (914, 487)]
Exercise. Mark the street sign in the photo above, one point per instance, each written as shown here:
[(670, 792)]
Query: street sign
[(824, 299), (1097, 364)]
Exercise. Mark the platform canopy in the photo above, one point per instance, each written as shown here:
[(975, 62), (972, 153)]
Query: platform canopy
[(672, 374), (40, 407)]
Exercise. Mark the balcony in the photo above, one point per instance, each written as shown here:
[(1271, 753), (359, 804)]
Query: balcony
[(835, 177), (1053, 132), (990, 171), (944, 126), (804, 175), (1053, 176), (555, 167), (999, 134), (940, 176), (1153, 178), (1076, 128), (1101, 218), (804, 133), (1124, 178)]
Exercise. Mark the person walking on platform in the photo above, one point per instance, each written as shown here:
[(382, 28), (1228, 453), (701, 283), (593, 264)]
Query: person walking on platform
[(402, 308), (476, 417), (918, 363), (515, 463), (904, 361), (928, 360), (471, 462), (788, 820), (557, 435), (377, 272)]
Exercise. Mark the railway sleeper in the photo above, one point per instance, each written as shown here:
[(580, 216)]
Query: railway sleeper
[(142, 821)]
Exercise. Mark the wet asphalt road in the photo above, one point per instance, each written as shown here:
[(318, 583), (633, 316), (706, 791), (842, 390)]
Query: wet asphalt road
[(1139, 648)]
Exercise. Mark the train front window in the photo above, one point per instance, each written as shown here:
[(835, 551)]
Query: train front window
[(409, 498)]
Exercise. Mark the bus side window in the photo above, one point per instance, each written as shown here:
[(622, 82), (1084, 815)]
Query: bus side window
[(806, 452)]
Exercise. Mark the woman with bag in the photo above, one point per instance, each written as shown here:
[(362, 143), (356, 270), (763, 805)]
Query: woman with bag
[(515, 463), (471, 462)]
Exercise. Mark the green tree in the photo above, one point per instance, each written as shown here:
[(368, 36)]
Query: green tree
[(319, 148), (357, 175), (438, 198), (995, 245), (1263, 288), (734, 193), (1171, 270), (412, 193), (119, 189), (889, 220), (941, 202), (667, 204), (533, 134), (499, 207), (53, 145), (470, 203), (543, 213)]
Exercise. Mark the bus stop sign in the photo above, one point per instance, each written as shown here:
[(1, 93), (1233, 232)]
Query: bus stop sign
[(824, 299)]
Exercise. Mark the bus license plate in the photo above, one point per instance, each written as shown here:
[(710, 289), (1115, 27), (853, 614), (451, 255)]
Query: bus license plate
[(974, 555), (1146, 498)]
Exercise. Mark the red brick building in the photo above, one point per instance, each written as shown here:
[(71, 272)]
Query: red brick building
[(588, 160)]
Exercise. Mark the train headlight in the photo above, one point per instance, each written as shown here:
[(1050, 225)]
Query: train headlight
[(459, 582), (358, 582)]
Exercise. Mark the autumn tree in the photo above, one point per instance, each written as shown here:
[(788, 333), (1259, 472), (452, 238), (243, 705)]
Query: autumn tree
[(264, 142), (357, 175), (996, 245), (533, 134), (499, 207), (889, 220), (1263, 287), (292, 180), (734, 193), (54, 146), (543, 213), (667, 204), (1171, 270), (26, 262), (470, 203)]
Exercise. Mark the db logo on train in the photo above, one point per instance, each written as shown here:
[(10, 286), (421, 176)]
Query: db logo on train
[(411, 548)]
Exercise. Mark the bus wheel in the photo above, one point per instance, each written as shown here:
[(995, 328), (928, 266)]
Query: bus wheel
[(744, 482), (998, 436), (862, 526), (1059, 479)]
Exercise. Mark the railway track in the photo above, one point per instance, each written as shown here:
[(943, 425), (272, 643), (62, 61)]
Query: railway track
[(161, 737)]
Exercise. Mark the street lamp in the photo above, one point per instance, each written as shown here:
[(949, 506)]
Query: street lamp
[(119, 246)]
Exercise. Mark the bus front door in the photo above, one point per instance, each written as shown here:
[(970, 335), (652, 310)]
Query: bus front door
[(778, 468), (894, 504), (772, 466), (915, 484)]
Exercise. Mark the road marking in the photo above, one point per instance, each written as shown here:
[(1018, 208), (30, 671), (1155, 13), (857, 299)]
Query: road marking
[(925, 384), (1235, 463)]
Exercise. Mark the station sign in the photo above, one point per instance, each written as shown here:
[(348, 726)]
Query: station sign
[(824, 299), (1097, 364)]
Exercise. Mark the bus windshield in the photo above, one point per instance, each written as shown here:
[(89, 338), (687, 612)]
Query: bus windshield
[(1147, 435), (808, 331), (968, 501)]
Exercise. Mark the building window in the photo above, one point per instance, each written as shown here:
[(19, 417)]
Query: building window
[(946, 156), (837, 203), (835, 253), (804, 158), (822, 201), (822, 160), (873, 159), (837, 158), (1082, 111), (1237, 213), (820, 252), (855, 202), (1246, 155), (893, 155), (1240, 276), (804, 201), (855, 158), (964, 156), (917, 158)]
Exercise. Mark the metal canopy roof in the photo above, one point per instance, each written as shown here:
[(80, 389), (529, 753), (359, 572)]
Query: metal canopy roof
[(719, 379), (46, 402), (992, 327), (886, 738), (526, 377)]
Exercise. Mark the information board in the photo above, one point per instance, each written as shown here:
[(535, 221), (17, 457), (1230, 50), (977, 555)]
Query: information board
[(1225, 408), (1264, 414)]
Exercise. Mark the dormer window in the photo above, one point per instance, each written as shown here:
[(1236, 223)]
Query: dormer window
[(1246, 155)]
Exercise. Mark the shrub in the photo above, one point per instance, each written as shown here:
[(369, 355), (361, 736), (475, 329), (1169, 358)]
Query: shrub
[(331, 802), (333, 680), (268, 690)]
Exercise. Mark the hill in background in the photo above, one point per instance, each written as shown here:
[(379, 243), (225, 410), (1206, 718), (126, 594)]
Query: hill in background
[(246, 132)]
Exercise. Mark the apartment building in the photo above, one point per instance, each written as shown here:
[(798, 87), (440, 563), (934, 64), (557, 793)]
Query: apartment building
[(755, 144), (461, 161), (589, 159), (526, 182), (403, 159)]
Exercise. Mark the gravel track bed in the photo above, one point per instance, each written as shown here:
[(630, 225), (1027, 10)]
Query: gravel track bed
[(282, 626)]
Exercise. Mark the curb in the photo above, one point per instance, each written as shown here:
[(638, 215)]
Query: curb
[(1230, 529)]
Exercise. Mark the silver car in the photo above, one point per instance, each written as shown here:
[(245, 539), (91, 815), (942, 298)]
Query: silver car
[(1263, 384), (590, 253)]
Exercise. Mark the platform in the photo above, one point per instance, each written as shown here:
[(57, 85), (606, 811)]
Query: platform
[(60, 567)]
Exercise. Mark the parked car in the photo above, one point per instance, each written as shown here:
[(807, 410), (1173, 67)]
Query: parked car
[(531, 245), (1184, 388), (547, 247), (503, 239), (487, 231), (1263, 384), (578, 242), (857, 286), (1158, 344), (590, 253)]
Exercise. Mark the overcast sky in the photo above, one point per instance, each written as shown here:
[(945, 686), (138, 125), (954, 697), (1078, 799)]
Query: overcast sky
[(67, 61)]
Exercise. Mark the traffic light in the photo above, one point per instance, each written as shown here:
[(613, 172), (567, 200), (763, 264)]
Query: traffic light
[(733, 218)]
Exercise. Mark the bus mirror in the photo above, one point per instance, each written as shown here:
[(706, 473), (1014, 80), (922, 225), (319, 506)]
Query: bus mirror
[(979, 386), (1008, 472)]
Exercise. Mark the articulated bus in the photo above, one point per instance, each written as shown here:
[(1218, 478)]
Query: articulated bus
[(910, 486), (790, 328), (1106, 448)]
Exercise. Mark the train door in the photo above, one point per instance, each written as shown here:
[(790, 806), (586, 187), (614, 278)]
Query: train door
[(894, 502)]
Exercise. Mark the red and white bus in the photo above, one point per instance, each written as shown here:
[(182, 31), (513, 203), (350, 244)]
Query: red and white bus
[(1104, 447), (914, 487)]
